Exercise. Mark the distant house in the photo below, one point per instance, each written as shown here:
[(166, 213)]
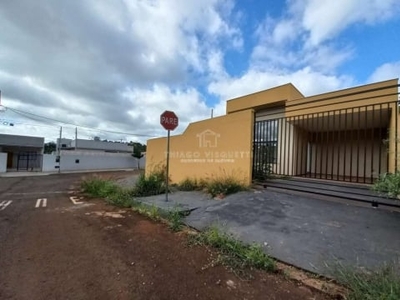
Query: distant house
[(92, 146), (21, 152)]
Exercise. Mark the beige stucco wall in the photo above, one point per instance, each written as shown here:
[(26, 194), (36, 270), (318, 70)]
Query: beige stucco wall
[(213, 147), (382, 92), (263, 98)]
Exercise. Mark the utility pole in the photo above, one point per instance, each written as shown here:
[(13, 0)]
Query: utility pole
[(59, 151), (76, 137)]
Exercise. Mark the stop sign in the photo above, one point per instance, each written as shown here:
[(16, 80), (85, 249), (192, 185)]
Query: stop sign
[(169, 120)]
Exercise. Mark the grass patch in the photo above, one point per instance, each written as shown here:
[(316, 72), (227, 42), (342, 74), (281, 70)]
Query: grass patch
[(388, 184), (224, 185), (113, 194), (235, 253), (216, 186), (120, 197), (380, 285), (151, 212), (98, 187), (188, 184), (175, 219)]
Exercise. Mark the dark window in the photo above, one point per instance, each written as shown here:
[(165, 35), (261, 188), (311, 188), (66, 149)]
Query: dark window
[(77, 161)]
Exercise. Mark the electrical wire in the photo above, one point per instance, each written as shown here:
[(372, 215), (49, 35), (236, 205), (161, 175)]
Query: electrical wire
[(54, 121)]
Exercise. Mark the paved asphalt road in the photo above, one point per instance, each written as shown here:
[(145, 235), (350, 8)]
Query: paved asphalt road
[(53, 248), (33, 253), (309, 233)]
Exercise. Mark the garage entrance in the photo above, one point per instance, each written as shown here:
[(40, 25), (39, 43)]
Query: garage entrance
[(352, 145)]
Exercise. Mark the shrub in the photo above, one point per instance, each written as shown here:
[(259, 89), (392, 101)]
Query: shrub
[(152, 184), (388, 184), (383, 284)]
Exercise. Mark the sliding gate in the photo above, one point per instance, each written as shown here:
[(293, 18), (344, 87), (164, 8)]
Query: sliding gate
[(355, 144)]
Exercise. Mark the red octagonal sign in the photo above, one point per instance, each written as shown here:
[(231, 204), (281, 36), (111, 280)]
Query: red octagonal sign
[(169, 120)]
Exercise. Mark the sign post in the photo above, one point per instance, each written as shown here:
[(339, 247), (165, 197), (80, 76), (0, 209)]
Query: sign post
[(169, 121)]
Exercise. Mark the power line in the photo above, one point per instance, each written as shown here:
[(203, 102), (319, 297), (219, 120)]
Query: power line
[(35, 116)]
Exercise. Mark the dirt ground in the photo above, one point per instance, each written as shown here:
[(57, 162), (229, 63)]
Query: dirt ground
[(94, 251)]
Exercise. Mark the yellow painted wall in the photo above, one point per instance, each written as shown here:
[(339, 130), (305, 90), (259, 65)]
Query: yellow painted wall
[(213, 147), (385, 91), (224, 144), (263, 98)]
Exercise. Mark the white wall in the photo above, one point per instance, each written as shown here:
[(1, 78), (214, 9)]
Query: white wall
[(49, 163), (3, 162), (142, 163), (83, 162)]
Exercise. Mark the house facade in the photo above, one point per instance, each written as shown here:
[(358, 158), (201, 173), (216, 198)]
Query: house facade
[(346, 135), (19, 153)]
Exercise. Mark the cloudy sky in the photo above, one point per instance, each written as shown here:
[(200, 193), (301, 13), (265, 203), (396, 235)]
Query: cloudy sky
[(115, 65)]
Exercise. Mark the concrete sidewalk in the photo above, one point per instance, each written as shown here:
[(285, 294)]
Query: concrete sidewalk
[(308, 233)]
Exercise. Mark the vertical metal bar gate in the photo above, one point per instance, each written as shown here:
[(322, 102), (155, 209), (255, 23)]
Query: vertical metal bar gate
[(351, 144)]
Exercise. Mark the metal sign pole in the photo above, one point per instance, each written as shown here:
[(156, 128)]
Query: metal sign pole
[(167, 179)]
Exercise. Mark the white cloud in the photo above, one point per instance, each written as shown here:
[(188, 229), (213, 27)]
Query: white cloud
[(385, 72), (326, 19), (148, 104), (76, 60), (306, 80)]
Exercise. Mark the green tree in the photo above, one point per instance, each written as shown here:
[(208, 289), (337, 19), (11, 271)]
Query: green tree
[(138, 150), (50, 147)]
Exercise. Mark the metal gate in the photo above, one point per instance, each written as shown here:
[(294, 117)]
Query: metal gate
[(355, 144), (29, 161)]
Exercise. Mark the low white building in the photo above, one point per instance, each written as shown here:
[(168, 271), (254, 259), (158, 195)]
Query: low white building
[(25, 153), (93, 146)]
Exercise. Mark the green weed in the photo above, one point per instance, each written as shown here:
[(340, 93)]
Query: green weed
[(235, 253), (224, 185), (97, 187), (388, 184), (113, 193), (175, 218), (188, 184), (383, 284), (152, 184)]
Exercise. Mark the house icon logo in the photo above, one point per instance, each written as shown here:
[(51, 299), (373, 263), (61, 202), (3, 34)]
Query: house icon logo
[(208, 139)]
